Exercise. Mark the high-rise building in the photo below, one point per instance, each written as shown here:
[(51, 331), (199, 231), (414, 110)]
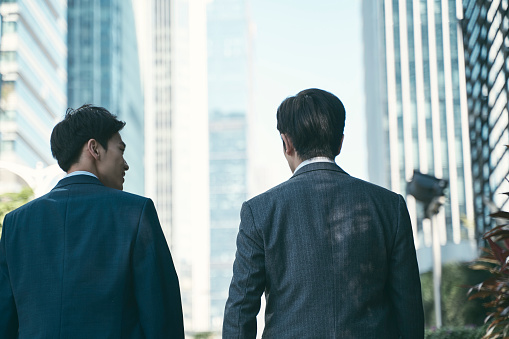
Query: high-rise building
[(173, 46), (228, 105), (195, 66), (486, 39), (417, 115), (33, 66), (153, 27), (103, 69), (190, 167)]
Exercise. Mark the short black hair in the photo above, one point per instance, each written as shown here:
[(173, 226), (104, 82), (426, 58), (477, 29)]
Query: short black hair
[(78, 127), (314, 120)]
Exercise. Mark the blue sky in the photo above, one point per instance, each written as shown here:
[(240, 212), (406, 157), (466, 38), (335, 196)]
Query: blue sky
[(297, 45)]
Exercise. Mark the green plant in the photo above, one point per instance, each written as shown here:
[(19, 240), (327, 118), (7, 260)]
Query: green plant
[(457, 311), (203, 335), (496, 286), (455, 333), (11, 201)]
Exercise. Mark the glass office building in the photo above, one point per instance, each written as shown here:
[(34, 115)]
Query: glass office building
[(486, 39), (417, 115), (173, 53), (153, 22), (33, 69), (228, 105), (103, 69)]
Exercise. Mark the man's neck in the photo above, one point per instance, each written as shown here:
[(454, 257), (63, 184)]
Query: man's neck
[(80, 172), (311, 161), (83, 167)]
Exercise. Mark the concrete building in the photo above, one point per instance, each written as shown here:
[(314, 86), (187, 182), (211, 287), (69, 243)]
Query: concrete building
[(103, 67), (229, 107), (33, 66), (417, 114), (173, 46), (486, 39)]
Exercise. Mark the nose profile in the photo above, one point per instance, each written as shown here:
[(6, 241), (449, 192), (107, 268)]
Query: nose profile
[(126, 166)]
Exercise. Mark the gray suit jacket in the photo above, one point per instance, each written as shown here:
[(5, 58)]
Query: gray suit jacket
[(335, 257)]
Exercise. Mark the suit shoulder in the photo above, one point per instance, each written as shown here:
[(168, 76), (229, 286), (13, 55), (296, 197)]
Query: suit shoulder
[(354, 185), (125, 198), (128, 196), (107, 195), (374, 187), (273, 193), (26, 206)]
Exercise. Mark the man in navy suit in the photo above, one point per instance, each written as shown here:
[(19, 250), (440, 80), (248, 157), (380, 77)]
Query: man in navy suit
[(334, 255), (88, 260)]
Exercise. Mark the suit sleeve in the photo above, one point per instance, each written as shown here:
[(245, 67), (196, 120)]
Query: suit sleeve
[(404, 279), (8, 314), (156, 283), (248, 282)]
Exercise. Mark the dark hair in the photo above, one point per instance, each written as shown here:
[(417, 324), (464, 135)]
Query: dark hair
[(314, 120), (78, 127)]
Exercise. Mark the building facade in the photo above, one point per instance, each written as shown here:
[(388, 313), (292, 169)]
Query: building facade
[(103, 69), (228, 107), (33, 56), (173, 54), (153, 29), (417, 115), (486, 39)]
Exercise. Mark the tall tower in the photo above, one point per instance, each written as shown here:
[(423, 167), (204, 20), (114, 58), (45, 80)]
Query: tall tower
[(153, 28), (416, 113), (34, 78), (228, 105), (173, 50), (104, 70), (486, 39)]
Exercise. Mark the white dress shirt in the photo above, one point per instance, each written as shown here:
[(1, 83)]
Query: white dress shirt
[(81, 172), (312, 161)]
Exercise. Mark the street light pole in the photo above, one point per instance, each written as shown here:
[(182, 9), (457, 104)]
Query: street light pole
[(430, 191), (437, 271)]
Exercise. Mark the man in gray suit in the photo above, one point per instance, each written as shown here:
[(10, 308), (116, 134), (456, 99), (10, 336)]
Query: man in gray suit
[(334, 255)]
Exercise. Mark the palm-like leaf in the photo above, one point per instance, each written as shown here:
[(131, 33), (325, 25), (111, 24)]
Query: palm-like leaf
[(496, 287)]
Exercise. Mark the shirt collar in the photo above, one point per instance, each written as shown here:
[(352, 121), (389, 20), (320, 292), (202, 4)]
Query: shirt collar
[(312, 161), (80, 173)]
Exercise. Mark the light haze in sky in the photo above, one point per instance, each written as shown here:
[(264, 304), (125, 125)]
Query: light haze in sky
[(297, 45)]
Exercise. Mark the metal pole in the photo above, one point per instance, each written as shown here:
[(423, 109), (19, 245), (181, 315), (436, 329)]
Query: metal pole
[(437, 270)]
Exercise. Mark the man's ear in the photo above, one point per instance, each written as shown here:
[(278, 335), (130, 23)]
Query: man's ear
[(341, 144), (93, 148), (288, 145)]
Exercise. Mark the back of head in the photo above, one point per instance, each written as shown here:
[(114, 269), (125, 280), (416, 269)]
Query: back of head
[(78, 127), (314, 120)]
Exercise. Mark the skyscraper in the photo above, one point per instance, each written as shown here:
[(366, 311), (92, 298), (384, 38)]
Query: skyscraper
[(103, 69), (153, 28), (34, 78), (416, 113), (486, 40), (228, 105), (173, 46), (195, 67)]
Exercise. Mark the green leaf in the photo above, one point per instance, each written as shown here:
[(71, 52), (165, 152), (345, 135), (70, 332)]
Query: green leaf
[(500, 214)]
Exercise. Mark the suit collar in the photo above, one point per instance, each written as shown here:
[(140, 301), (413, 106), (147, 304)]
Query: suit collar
[(78, 179), (317, 166)]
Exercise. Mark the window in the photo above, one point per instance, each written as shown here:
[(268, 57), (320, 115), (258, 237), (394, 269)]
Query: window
[(7, 88), (7, 56), (8, 27)]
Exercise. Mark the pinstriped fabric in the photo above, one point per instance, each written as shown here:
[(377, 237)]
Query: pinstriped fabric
[(333, 254)]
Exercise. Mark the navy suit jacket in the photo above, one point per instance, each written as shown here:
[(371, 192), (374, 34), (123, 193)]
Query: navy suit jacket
[(335, 257), (87, 261)]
